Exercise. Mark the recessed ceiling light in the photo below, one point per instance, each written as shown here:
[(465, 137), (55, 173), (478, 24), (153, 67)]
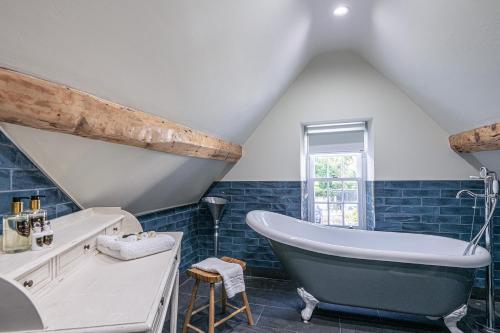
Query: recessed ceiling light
[(341, 11)]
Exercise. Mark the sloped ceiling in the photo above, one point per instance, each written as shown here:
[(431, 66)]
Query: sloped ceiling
[(446, 55), (219, 66)]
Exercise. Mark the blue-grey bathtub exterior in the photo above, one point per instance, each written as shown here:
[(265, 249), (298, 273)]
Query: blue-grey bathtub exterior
[(433, 291)]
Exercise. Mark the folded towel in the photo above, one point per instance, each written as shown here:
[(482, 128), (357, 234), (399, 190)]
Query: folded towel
[(231, 273), (127, 250)]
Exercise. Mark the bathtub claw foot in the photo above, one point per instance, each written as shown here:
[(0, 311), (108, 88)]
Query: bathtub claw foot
[(311, 303), (453, 318)]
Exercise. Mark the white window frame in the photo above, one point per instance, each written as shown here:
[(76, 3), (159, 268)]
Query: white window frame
[(361, 181)]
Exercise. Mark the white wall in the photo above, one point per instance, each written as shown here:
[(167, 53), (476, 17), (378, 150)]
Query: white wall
[(407, 143)]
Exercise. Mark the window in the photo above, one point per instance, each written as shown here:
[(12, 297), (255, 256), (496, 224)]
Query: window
[(336, 169)]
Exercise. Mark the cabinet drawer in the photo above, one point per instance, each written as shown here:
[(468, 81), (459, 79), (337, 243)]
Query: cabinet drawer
[(36, 279), (115, 229), (69, 259)]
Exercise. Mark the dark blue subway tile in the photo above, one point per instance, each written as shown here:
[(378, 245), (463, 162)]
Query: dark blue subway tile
[(422, 227), (443, 185), (455, 228), (403, 218), (29, 179), (403, 201), (258, 191), (472, 184), (455, 211), (232, 191), (449, 194), (4, 180), (419, 210), (13, 158), (388, 209), (390, 226), (388, 193), (402, 185), (440, 202), (421, 193), (440, 219)]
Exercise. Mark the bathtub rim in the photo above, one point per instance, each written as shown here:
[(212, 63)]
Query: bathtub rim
[(255, 218)]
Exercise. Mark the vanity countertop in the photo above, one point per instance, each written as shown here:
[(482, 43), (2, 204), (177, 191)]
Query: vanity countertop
[(68, 231)]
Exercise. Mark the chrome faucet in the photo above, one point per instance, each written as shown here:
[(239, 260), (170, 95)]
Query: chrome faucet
[(491, 189), (470, 193)]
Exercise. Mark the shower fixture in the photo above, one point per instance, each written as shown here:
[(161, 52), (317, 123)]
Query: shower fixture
[(216, 207), (490, 196)]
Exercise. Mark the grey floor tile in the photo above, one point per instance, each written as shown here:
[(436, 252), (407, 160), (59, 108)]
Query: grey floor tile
[(275, 298), (321, 324), (361, 325), (280, 318)]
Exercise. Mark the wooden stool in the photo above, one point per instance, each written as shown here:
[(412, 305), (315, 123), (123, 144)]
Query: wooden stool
[(213, 278)]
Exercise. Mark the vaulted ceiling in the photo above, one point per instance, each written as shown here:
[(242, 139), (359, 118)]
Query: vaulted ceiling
[(219, 66)]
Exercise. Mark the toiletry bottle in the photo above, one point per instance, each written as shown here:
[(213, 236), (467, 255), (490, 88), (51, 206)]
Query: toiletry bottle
[(38, 215), (16, 229), (37, 237), (48, 234)]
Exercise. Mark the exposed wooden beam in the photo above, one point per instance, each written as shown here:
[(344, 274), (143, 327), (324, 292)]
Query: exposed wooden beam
[(479, 139), (32, 102)]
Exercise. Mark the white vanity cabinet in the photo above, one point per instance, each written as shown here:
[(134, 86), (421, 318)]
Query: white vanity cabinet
[(71, 287)]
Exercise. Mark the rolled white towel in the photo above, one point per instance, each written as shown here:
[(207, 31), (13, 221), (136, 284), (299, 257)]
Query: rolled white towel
[(114, 247), (232, 274)]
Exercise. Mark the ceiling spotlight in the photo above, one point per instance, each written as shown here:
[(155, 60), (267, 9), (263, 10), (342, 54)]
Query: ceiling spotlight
[(341, 11)]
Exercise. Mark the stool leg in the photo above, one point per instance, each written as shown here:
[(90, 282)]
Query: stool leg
[(248, 311), (189, 311), (223, 298), (211, 312)]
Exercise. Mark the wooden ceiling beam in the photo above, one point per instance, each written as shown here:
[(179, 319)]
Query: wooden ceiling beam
[(36, 103), (479, 139)]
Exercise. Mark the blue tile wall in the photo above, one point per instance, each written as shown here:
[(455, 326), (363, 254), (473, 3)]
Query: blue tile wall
[(20, 177), (236, 238), (183, 219), (430, 207)]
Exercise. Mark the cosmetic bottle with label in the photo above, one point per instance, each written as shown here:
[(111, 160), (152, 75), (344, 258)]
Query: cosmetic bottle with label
[(16, 229), (36, 213), (48, 234), (37, 237)]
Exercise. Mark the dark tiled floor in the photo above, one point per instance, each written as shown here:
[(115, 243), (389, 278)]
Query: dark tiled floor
[(276, 308)]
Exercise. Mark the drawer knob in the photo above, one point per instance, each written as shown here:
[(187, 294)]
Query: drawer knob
[(115, 229), (28, 284), (86, 247), (162, 301)]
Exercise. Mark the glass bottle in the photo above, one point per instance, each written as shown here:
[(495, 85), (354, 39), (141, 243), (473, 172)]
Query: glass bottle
[(16, 229), (36, 214)]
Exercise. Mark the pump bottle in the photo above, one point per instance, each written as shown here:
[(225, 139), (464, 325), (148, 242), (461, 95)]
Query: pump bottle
[(16, 229)]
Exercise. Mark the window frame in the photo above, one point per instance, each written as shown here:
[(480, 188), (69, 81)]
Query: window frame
[(310, 179)]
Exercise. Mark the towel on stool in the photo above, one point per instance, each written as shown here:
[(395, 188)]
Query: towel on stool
[(232, 274), (117, 248)]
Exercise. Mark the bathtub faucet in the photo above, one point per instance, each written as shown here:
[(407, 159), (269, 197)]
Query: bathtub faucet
[(470, 193), (491, 189), (490, 195)]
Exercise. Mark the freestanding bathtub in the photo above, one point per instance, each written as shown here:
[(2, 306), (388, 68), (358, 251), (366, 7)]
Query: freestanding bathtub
[(401, 272)]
